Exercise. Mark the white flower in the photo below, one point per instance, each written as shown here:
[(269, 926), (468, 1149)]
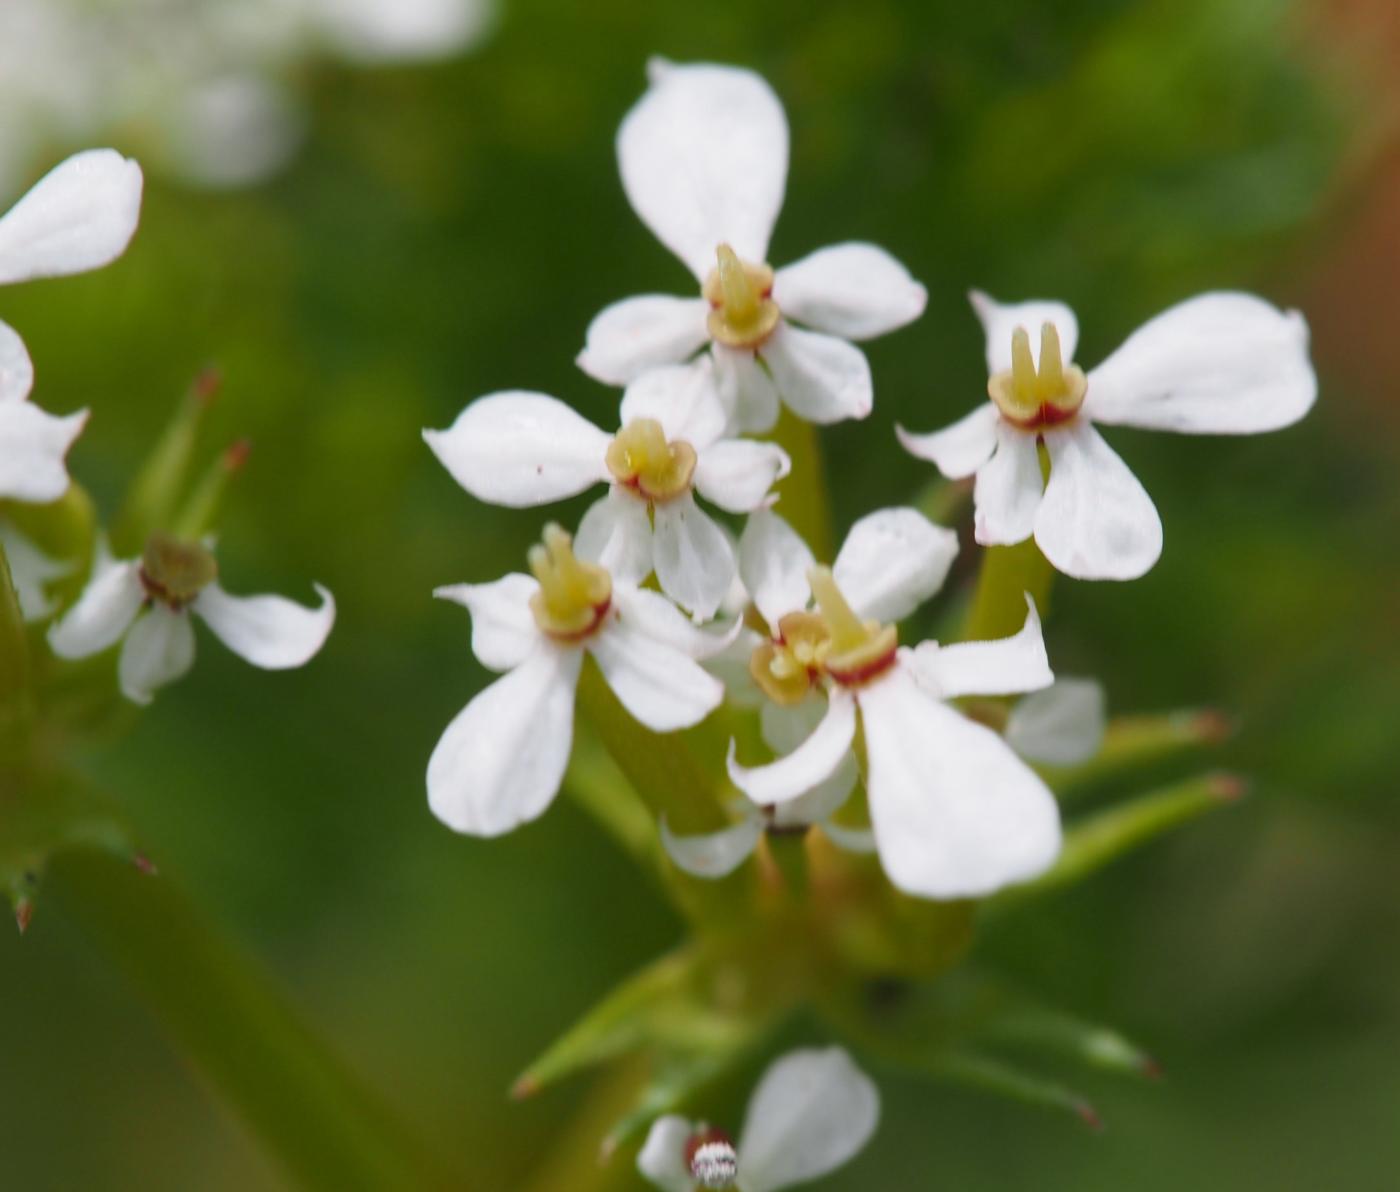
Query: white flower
[(704, 157), (79, 216), (1061, 725), (522, 449), (1217, 364), (812, 1112), (955, 812), (31, 572), (500, 762), (148, 601)]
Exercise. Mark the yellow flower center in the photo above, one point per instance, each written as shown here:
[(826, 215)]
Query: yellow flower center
[(1033, 398), (175, 572), (742, 311), (788, 665), (574, 596), (640, 458)]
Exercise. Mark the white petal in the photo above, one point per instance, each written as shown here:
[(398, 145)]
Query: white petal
[(693, 559), (1061, 726), (956, 813), (852, 840), (731, 667), (652, 614), (158, 650), (662, 1157), (703, 156), (773, 562), (1096, 521), (819, 377), (1008, 489), (713, 854), (957, 450), (745, 389), (634, 335), (1000, 321), (737, 474), (269, 631), (856, 291), (30, 571), (785, 726), (784, 729), (501, 760), (1219, 364), (33, 445), (504, 632), (892, 561), (103, 612), (1006, 666), (812, 1112), (822, 800), (684, 398), (16, 369), (615, 533), (521, 449), (809, 764), (655, 682), (79, 216)]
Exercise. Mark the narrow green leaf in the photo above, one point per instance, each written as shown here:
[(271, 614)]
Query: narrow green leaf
[(1135, 743), (993, 1075)]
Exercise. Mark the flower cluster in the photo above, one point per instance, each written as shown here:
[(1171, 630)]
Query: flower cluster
[(682, 615)]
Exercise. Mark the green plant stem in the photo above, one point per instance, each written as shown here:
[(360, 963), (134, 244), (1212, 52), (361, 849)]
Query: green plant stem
[(803, 500), (999, 603), (242, 1034), (14, 652)]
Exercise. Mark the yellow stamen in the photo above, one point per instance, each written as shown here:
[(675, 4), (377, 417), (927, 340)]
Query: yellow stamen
[(1031, 398), (785, 669), (175, 572), (744, 314), (859, 649), (574, 596), (1051, 381), (640, 457), (1023, 378)]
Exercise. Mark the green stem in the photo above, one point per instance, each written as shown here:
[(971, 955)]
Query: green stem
[(14, 652), (803, 501), (999, 604), (241, 1033)]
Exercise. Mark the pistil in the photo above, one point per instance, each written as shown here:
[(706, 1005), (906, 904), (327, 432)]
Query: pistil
[(641, 458), (574, 596), (1032, 398), (743, 313)]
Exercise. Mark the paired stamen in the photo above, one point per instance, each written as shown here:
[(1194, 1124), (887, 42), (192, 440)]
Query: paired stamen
[(574, 596), (744, 314), (1033, 398), (175, 572), (711, 1158), (641, 458), (860, 650)]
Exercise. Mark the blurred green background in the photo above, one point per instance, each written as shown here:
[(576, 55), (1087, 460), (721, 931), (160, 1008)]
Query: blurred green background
[(449, 230)]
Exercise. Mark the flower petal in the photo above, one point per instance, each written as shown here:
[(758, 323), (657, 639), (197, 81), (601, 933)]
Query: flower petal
[(79, 216), (714, 854), (658, 684), (652, 614), (158, 650), (704, 156), (956, 813), (662, 1157), (615, 533), (1008, 489), (16, 369), (745, 389), (519, 449), (784, 729), (30, 571), (851, 840), (957, 450), (731, 667), (634, 335), (812, 1112), (33, 445), (1096, 521), (504, 632), (892, 561), (269, 631), (1219, 364), (856, 291), (501, 760), (810, 764), (684, 398), (737, 474), (819, 377), (774, 562), (1000, 320), (1060, 726), (1006, 666), (693, 559), (103, 612)]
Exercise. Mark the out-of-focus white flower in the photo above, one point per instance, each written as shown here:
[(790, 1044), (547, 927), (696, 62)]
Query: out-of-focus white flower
[(1217, 364), (31, 572), (704, 157), (1062, 725), (523, 449), (148, 602), (955, 812), (812, 1112), (500, 762), (80, 216)]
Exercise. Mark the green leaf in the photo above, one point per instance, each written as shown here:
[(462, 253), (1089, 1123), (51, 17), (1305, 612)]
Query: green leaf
[(1132, 744)]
